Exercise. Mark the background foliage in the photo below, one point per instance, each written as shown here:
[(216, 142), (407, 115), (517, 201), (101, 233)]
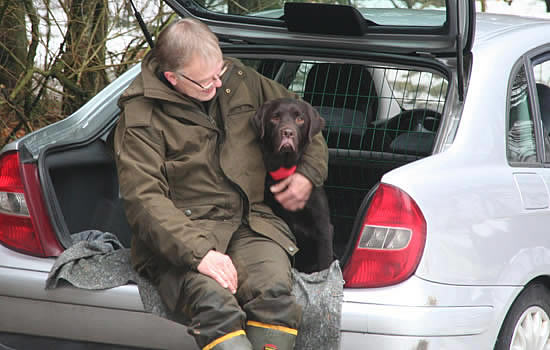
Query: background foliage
[(56, 54)]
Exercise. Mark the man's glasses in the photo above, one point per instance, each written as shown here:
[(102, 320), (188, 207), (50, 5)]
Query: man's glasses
[(212, 80)]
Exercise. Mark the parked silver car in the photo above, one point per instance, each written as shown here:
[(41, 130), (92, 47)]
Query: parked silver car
[(438, 126)]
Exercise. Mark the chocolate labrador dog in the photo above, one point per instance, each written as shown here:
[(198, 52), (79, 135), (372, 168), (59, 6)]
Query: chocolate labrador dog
[(285, 127)]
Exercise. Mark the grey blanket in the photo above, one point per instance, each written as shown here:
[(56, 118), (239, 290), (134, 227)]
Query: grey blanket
[(97, 260)]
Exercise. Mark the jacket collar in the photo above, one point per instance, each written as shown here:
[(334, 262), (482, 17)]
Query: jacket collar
[(149, 85), (158, 89)]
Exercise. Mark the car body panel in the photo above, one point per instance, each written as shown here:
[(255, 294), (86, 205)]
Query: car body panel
[(413, 320), (485, 200), (92, 324), (387, 341), (428, 310), (70, 312)]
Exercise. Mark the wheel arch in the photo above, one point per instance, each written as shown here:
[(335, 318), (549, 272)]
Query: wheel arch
[(543, 280)]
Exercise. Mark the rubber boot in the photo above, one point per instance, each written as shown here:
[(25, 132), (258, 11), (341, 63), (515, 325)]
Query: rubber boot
[(270, 337), (232, 341)]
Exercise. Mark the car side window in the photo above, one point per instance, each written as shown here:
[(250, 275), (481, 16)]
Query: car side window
[(521, 145), (542, 78)]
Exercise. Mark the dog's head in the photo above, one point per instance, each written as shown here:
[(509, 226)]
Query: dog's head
[(285, 127)]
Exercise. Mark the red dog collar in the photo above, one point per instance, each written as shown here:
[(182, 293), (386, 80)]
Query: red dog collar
[(282, 173)]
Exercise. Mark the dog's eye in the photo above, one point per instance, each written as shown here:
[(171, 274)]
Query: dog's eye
[(300, 120)]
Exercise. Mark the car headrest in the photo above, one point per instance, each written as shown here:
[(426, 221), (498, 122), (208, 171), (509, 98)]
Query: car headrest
[(342, 86), (414, 143), (343, 119)]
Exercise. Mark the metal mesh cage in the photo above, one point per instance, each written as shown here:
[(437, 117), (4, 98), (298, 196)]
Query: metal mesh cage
[(367, 107)]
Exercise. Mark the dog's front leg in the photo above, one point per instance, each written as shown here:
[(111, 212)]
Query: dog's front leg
[(325, 254)]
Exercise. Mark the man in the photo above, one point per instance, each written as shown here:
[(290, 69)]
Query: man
[(192, 178)]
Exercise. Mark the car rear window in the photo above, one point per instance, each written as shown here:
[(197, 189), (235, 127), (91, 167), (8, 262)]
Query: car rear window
[(417, 13)]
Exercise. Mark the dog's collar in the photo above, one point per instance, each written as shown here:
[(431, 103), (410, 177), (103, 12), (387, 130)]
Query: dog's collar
[(282, 173)]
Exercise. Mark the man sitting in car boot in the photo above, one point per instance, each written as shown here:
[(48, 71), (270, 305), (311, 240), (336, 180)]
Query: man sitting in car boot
[(192, 178)]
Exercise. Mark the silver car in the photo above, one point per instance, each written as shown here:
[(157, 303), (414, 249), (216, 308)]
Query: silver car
[(437, 121)]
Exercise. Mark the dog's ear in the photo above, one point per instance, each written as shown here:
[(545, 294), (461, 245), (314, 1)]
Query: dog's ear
[(316, 122), (258, 120)]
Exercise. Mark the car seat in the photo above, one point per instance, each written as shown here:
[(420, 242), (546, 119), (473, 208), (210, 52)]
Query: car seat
[(345, 96)]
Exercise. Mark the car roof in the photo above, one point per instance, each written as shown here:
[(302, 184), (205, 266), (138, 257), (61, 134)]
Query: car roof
[(491, 26)]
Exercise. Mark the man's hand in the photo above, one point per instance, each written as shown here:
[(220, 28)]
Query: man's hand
[(220, 267), (292, 192)]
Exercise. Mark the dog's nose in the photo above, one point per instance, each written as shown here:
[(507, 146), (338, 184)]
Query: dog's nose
[(287, 133)]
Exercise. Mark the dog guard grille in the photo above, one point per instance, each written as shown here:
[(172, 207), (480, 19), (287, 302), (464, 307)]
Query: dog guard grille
[(367, 108)]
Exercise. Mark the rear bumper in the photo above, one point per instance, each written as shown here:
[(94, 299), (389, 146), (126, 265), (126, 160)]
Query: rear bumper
[(423, 321), (410, 315), (389, 342), (419, 314), (367, 326)]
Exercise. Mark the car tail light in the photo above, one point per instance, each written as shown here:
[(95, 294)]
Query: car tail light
[(24, 224), (391, 241)]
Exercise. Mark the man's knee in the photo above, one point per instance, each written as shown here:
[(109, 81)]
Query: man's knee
[(268, 279), (201, 294), (200, 303)]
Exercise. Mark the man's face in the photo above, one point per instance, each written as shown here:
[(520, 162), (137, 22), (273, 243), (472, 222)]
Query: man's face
[(198, 79)]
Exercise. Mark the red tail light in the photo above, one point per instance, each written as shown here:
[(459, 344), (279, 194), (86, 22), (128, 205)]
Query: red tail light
[(391, 241), (24, 224)]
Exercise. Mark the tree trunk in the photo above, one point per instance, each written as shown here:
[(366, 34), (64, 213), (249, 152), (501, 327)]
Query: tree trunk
[(13, 42), (17, 62), (483, 5), (547, 5), (85, 49)]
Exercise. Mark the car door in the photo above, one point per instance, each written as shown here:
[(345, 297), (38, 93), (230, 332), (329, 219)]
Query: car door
[(528, 150), (528, 139)]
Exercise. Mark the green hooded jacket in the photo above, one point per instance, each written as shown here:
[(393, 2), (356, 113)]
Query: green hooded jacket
[(189, 177)]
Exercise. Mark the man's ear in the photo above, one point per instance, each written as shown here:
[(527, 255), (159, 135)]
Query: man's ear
[(316, 122), (171, 77), (258, 119)]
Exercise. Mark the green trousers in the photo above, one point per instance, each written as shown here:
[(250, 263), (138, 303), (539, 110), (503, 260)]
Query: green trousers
[(263, 293)]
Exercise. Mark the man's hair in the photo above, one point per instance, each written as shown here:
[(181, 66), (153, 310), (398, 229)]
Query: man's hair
[(183, 40)]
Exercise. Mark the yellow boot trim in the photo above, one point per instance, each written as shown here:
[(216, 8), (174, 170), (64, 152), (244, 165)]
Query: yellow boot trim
[(224, 338), (272, 326)]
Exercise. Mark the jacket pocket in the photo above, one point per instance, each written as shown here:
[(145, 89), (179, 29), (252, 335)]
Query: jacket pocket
[(244, 109), (206, 212), (240, 101)]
